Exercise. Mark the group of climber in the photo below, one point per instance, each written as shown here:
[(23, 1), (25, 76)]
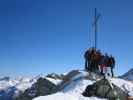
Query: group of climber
[(95, 61)]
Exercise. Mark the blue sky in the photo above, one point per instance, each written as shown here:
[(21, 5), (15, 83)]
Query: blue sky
[(44, 36)]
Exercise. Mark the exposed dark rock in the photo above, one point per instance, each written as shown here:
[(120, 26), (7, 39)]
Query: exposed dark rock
[(41, 88), (55, 76), (7, 94), (103, 89), (5, 78)]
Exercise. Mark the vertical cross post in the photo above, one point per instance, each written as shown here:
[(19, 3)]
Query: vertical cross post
[(95, 28), (96, 17)]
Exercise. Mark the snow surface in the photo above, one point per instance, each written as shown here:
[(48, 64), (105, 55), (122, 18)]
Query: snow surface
[(65, 96), (55, 81), (72, 91), (78, 84), (127, 86)]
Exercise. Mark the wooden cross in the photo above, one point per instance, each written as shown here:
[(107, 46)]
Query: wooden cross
[(96, 18)]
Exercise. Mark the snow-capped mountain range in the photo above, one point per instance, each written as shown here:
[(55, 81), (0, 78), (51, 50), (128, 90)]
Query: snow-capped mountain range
[(12, 87), (72, 89), (128, 75)]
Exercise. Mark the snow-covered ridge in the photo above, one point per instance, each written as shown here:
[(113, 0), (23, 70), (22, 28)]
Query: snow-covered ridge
[(74, 83), (128, 75), (75, 88)]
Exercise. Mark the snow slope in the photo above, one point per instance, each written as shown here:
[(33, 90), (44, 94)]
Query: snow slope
[(74, 90), (71, 91), (65, 96)]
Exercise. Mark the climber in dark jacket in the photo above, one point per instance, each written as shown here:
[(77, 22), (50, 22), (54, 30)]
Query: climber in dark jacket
[(87, 59), (92, 59), (112, 64), (97, 59), (102, 64)]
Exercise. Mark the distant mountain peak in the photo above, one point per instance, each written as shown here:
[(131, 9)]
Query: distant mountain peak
[(6, 78), (128, 75)]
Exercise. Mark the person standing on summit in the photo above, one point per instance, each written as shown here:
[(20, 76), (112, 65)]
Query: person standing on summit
[(87, 59), (103, 64), (112, 64), (98, 57)]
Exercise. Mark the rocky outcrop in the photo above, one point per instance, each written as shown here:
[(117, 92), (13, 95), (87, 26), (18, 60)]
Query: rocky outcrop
[(104, 89), (55, 76), (41, 88)]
